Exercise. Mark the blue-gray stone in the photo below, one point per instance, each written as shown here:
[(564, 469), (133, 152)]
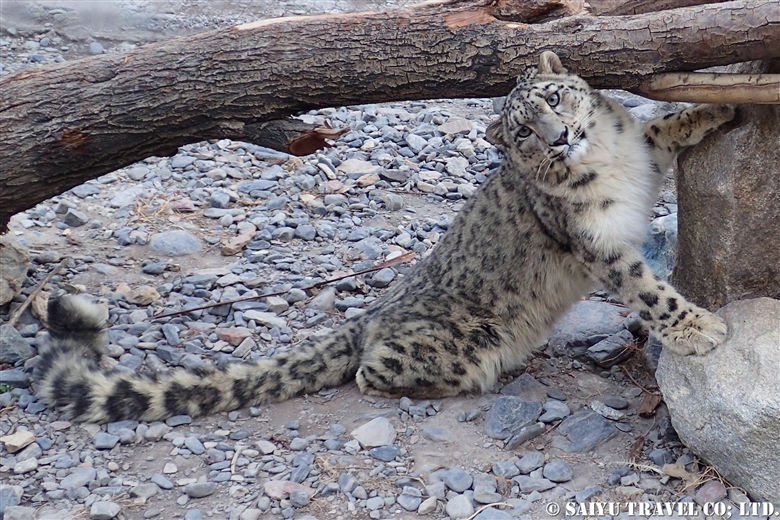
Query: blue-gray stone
[(15, 377), (557, 470), (660, 245), (13, 347), (75, 218), (410, 499), (554, 411), (530, 461), (661, 457), (305, 232), (492, 513), (612, 350), (95, 48), (583, 431), (171, 333), (382, 278), (509, 414), (256, 185), (85, 190), (194, 445), (200, 489), (358, 234), (174, 243), (457, 480), (385, 453), (300, 473), (178, 420), (161, 481), (529, 484), (219, 199), (155, 268), (182, 161), (105, 441)]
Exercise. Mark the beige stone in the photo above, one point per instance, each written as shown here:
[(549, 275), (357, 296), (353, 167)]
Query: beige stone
[(14, 259)]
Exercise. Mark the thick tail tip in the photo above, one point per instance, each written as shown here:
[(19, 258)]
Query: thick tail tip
[(72, 316)]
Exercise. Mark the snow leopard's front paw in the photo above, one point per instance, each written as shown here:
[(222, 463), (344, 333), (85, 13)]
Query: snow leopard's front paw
[(697, 333)]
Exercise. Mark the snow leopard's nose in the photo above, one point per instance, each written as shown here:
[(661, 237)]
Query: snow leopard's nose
[(563, 138)]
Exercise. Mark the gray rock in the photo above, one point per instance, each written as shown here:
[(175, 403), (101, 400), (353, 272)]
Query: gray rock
[(79, 478), (75, 218), (382, 278), (586, 494), (299, 444), (530, 461), (526, 433), (437, 434), (491, 513), (728, 185), (305, 232), (554, 410), (193, 514), (104, 510), (584, 320), (457, 480), (193, 444), (300, 498), (583, 431), (200, 489), (721, 403), (14, 260), (377, 432), (219, 199), (509, 414), (661, 457), (10, 496), (505, 468), (458, 507), (13, 347), (15, 377), (660, 245), (137, 173), (529, 484), (385, 453), (105, 441), (347, 483), (612, 350), (410, 499), (161, 481), (85, 190), (527, 387), (96, 48), (19, 513), (557, 470), (375, 503), (174, 243)]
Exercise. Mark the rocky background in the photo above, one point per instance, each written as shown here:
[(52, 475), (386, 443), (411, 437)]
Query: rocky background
[(224, 220)]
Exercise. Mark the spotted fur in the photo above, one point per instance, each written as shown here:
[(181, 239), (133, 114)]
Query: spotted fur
[(565, 212)]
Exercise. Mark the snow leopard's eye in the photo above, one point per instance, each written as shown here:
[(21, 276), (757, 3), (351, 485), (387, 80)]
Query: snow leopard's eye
[(523, 131), (553, 99)]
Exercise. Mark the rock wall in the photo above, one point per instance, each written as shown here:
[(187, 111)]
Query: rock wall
[(729, 215)]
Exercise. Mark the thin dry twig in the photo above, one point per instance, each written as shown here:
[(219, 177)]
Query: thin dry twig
[(478, 511), (645, 390), (394, 261), (18, 312)]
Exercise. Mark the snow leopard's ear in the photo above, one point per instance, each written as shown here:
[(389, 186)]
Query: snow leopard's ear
[(550, 63), (495, 134)]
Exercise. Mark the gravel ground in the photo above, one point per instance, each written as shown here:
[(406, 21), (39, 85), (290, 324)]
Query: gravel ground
[(224, 220)]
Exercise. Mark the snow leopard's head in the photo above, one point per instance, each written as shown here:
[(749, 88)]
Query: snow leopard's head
[(543, 122)]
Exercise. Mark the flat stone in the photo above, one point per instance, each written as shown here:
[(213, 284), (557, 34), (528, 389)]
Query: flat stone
[(174, 243), (15, 377), (265, 318), (457, 480), (527, 387), (200, 489), (554, 410), (738, 384), (530, 461), (437, 434), (19, 513), (583, 431), (529, 484), (509, 414), (557, 470), (79, 478), (456, 125), (491, 513), (105, 441), (458, 507), (612, 350), (279, 489), (101, 510), (18, 441), (377, 432), (385, 453), (584, 320)]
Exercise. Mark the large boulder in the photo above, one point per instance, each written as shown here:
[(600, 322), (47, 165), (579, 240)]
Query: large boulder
[(725, 405), (729, 214), (14, 260)]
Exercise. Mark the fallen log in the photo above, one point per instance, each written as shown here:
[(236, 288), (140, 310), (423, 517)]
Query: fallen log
[(65, 124)]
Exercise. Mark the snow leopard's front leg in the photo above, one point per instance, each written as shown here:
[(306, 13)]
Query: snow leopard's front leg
[(682, 327), (669, 134)]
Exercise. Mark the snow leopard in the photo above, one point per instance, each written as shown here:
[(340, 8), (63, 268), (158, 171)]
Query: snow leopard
[(565, 213)]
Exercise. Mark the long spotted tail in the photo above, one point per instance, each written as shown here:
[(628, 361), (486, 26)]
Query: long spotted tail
[(68, 375)]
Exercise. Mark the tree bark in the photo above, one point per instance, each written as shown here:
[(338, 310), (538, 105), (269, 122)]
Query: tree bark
[(65, 124)]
